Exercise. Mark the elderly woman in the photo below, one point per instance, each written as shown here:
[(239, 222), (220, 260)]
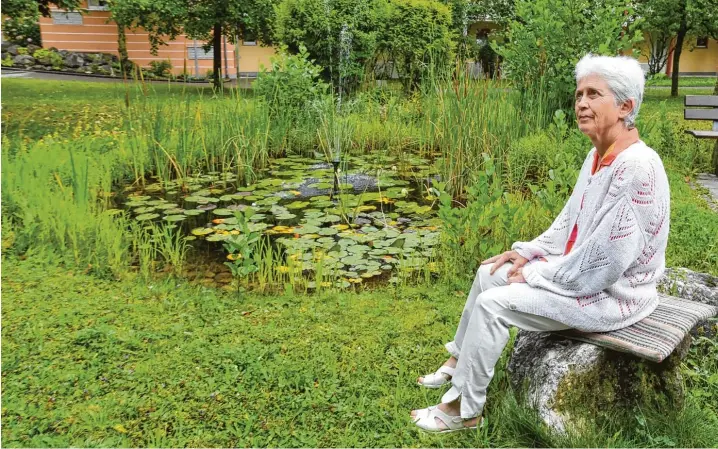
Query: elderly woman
[(594, 269)]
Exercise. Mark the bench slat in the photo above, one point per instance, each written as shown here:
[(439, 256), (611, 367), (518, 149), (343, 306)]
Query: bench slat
[(700, 114), (703, 134), (701, 100)]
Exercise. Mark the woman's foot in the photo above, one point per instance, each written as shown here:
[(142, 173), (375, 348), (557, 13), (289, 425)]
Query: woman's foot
[(441, 377), (451, 412)]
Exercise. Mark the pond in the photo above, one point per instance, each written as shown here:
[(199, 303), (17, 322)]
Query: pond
[(382, 219)]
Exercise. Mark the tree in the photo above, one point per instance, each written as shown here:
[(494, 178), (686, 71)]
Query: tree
[(546, 39), (212, 19), (198, 19), (417, 37), (681, 18), (340, 35), (25, 8)]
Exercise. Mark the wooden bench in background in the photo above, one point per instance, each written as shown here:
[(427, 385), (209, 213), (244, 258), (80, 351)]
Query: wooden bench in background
[(709, 111)]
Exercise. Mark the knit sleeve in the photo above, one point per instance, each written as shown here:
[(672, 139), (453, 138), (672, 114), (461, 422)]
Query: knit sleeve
[(603, 256), (552, 241)]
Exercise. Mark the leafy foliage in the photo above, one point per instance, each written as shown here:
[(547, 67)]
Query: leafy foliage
[(416, 37), (548, 37), (292, 84), (22, 30), (318, 25)]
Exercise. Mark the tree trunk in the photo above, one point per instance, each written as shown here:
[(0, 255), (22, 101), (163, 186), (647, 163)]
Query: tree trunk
[(125, 66), (217, 63), (677, 52)]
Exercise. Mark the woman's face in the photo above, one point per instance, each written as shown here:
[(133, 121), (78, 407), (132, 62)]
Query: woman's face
[(596, 109)]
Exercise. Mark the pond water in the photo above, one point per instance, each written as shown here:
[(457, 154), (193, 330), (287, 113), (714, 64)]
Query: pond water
[(383, 217)]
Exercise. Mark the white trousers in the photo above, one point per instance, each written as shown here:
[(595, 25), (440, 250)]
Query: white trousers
[(484, 332)]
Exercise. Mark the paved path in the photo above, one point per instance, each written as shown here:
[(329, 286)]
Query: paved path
[(709, 182), (244, 82)]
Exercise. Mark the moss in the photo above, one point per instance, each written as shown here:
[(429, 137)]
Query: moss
[(618, 383)]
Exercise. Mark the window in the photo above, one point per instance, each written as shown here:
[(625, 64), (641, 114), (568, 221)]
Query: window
[(482, 36), (201, 53), (97, 5), (702, 42), (66, 18), (250, 38)]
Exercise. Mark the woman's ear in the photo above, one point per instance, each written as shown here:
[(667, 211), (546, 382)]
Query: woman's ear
[(626, 107)]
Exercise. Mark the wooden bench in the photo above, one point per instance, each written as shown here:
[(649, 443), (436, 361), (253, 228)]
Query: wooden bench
[(709, 111)]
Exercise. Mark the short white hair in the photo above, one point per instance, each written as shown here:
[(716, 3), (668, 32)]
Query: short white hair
[(623, 75)]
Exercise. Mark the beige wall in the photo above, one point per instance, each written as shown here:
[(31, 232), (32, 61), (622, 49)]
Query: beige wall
[(98, 33), (696, 61)]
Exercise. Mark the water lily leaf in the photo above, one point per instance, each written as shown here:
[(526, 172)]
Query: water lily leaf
[(328, 231), (192, 212), (143, 210), (174, 218), (166, 206), (298, 205), (150, 216), (202, 231), (321, 185), (223, 212), (217, 237), (206, 207)]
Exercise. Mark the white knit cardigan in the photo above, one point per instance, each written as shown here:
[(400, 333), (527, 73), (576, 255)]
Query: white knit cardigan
[(608, 280)]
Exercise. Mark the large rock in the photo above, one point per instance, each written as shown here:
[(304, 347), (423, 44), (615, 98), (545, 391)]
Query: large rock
[(32, 48), (23, 60), (74, 60), (12, 49), (572, 384), (684, 283)]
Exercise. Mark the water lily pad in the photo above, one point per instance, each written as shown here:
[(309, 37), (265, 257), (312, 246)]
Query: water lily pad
[(202, 231), (206, 207), (174, 218), (223, 212), (328, 231), (217, 237), (144, 210), (297, 205), (193, 212), (150, 216)]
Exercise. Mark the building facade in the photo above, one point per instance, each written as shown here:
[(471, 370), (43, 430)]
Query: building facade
[(91, 30)]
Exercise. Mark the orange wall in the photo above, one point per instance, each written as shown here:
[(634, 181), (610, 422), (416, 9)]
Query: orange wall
[(98, 34)]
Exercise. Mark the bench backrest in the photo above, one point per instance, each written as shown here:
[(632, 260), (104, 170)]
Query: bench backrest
[(705, 101)]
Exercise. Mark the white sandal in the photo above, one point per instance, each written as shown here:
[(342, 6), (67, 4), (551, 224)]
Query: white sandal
[(437, 379), (427, 421)]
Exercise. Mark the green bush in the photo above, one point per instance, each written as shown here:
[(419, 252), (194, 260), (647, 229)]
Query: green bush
[(416, 36), (529, 160), (49, 57), (22, 30), (548, 37), (319, 26), (292, 83), (7, 62), (161, 68)]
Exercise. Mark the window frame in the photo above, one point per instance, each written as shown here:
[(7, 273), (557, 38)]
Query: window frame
[(97, 6), (702, 38)]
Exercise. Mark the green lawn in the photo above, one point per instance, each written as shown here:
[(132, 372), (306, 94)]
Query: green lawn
[(91, 359), (684, 81)]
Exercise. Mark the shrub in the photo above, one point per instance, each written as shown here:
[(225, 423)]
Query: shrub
[(529, 160), (49, 57), (161, 68), (292, 83), (22, 30), (416, 36), (320, 25), (7, 62), (548, 37)]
